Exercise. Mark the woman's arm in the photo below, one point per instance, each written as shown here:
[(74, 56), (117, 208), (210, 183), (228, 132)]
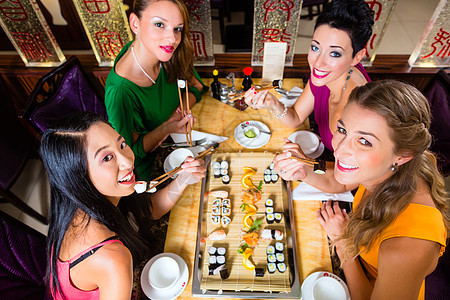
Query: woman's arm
[(403, 264), (193, 170)]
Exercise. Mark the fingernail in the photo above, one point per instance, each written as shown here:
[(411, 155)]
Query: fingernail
[(344, 210), (255, 92)]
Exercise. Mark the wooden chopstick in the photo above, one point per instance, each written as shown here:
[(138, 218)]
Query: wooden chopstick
[(189, 112), (239, 95), (169, 174), (182, 108)]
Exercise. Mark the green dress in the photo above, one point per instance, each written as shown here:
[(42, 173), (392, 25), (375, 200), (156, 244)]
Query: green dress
[(141, 109)]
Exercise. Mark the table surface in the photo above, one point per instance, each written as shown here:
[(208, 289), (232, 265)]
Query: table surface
[(220, 119)]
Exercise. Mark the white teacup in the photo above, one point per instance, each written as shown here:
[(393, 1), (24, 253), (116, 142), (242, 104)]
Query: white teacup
[(328, 288), (177, 157), (308, 141), (164, 273)]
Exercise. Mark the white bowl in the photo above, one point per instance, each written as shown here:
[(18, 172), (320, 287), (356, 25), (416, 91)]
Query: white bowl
[(177, 157), (308, 141), (328, 288), (164, 273)]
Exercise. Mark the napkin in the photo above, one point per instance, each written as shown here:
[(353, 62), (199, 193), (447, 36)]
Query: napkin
[(305, 191), (290, 100), (197, 135)]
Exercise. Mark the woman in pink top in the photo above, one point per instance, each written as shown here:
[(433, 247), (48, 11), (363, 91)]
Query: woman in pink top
[(91, 243), (337, 47)]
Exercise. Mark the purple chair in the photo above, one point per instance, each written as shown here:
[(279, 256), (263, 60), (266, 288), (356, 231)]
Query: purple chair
[(438, 95), (63, 91), (437, 284), (17, 146), (23, 261)]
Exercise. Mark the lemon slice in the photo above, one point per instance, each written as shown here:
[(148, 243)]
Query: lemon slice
[(249, 170), (248, 264), (246, 181), (247, 253), (250, 208), (247, 220)]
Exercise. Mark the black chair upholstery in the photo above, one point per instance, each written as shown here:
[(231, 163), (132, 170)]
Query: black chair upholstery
[(437, 284), (17, 146), (61, 92)]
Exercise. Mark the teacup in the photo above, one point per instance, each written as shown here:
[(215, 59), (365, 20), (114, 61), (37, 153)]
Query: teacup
[(251, 132), (308, 141), (328, 288), (177, 157), (164, 273)]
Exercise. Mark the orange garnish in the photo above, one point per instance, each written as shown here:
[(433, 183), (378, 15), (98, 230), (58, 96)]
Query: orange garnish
[(251, 239)]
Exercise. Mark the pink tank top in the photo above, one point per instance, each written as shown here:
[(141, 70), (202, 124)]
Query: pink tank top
[(321, 113), (70, 291)]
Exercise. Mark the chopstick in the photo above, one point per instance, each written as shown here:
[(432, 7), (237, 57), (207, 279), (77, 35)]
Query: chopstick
[(180, 82), (239, 95), (169, 174), (318, 165), (189, 112)]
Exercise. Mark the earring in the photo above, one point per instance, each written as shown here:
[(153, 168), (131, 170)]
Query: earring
[(394, 167)]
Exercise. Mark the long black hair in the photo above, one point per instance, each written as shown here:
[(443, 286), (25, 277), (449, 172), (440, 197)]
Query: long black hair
[(352, 16), (63, 151)]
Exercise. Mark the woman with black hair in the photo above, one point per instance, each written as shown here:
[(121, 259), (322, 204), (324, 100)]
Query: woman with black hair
[(91, 243), (340, 35)]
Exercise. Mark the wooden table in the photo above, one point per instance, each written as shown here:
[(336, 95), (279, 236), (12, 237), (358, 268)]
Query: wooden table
[(217, 118)]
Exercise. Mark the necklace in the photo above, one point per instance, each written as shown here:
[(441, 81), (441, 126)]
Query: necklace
[(146, 74)]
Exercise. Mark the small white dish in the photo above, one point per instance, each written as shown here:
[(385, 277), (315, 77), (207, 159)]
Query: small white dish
[(307, 288), (172, 292), (252, 143), (164, 273), (195, 151), (310, 143), (177, 157)]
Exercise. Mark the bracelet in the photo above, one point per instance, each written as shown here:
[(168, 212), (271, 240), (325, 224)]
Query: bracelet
[(283, 114)]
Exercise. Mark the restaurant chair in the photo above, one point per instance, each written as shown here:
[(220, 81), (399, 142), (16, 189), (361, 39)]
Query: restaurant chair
[(23, 263), (222, 8), (319, 4), (438, 95), (437, 284), (17, 146), (61, 92)]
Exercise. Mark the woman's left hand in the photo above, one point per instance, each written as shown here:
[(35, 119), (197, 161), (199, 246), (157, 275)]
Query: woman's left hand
[(192, 171), (332, 218)]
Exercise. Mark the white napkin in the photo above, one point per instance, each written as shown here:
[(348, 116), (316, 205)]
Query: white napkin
[(290, 100), (197, 135), (305, 191)]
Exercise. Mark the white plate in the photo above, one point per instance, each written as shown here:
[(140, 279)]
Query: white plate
[(172, 293), (308, 283), (252, 143), (196, 150), (315, 154)]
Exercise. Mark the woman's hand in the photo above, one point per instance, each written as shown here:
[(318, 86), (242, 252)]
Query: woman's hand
[(263, 99), (332, 218), (176, 123), (192, 171), (288, 168)]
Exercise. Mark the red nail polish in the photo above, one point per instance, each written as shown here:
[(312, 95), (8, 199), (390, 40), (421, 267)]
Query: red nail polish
[(255, 92)]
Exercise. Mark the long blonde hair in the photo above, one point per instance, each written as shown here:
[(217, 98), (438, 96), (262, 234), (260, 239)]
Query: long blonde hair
[(407, 113), (181, 65)]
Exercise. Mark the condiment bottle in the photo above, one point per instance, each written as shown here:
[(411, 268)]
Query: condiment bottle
[(215, 85), (247, 83)]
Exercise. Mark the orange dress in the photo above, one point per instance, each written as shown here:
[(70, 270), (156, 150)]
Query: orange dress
[(417, 221)]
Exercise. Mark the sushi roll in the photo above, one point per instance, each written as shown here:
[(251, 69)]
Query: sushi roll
[(274, 178), (270, 218), (279, 246), (267, 178), (212, 260), (215, 220), (216, 165), (217, 202), (220, 259), (278, 217), (216, 211), (214, 270), (271, 268), (267, 172), (226, 211), (226, 203), (271, 166), (224, 274), (271, 258), (212, 250), (259, 272), (270, 250), (278, 235), (225, 179), (273, 172), (269, 210), (281, 267), (272, 234), (269, 202), (223, 172), (216, 173), (224, 165), (280, 257), (225, 221), (221, 251)]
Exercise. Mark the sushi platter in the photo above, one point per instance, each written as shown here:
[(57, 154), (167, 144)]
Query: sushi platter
[(246, 243)]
